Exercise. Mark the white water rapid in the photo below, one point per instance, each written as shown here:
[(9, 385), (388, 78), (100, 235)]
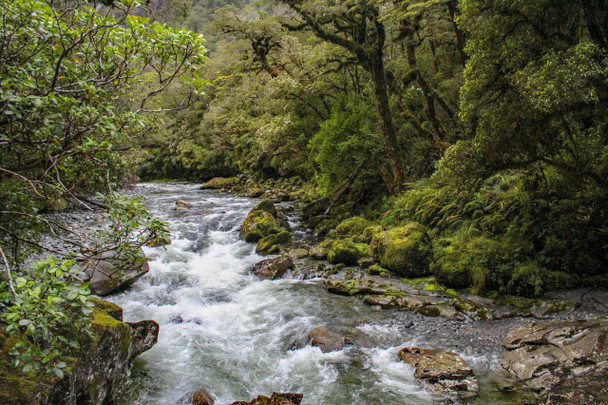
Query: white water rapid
[(239, 336)]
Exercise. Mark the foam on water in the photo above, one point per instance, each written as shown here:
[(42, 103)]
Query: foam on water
[(239, 336)]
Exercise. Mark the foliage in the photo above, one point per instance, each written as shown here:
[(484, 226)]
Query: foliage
[(77, 85), (351, 131), (48, 308), (71, 99)]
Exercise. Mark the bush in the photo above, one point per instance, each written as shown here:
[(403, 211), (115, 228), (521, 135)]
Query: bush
[(47, 306)]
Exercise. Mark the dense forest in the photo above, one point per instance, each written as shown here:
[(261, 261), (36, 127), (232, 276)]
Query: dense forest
[(483, 121), (472, 132)]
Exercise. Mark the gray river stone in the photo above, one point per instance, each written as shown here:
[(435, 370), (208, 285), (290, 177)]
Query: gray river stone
[(564, 361), (441, 372), (105, 275)]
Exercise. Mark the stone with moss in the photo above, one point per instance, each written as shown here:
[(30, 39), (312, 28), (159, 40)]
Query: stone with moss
[(219, 183), (405, 250), (262, 222), (368, 234), (266, 205), (350, 227), (347, 252), (375, 269), (271, 244)]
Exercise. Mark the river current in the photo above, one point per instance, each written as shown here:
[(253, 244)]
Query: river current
[(238, 336)]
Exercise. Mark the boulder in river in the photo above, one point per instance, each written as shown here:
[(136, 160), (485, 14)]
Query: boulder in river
[(277, 398), (111, 272), (327, 340), (264, 226), (563, 361), (273, 268), (96, 373), (441, 372)]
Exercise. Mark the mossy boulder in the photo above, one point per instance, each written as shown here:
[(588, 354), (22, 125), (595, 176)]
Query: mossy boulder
[(350, 227), (262, 222), (271, 244), (368, 234), (266, 206), (97, 373), (219, 183), (405, 250), (347, 252)]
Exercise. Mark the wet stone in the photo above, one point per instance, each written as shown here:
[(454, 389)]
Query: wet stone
[(441, 372)]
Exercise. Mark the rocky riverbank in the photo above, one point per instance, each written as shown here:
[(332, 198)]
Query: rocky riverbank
[(572, 335), (356, 260)]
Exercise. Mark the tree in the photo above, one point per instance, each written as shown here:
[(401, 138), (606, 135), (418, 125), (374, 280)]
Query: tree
[(357, 27), (75, 89)]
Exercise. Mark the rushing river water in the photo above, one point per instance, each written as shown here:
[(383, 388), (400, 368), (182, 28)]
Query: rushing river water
[(239, 336)]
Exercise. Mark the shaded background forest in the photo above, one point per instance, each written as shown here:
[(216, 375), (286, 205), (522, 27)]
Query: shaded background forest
[(484, 121)]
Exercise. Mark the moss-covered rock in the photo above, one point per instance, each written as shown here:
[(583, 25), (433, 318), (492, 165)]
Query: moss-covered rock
[(405, 250), (368, 234), (218, 183), (266, 206), (347, 252), (97, 373), (262, 222), (350, 227), (271, 244)]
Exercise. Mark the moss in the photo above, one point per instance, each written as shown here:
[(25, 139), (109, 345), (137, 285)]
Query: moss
[(404, 250), (219, 183), (271, 244), (483, 263), (108, 307), (393, 293), (525, 305), (39, 387), (375, 269), (368, 234), (347, 252), (258, 225), (461, 306), (561, 306), (266, 206), (350, 227)]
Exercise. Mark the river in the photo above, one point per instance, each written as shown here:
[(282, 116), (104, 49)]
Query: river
[(239, 336)]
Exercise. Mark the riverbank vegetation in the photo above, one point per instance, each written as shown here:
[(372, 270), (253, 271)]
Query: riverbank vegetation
[(79, 83), (461, 139), (481, 122)]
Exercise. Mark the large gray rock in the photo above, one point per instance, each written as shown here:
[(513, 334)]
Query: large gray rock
[(563, 361), (110, 272), (441, 372)]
